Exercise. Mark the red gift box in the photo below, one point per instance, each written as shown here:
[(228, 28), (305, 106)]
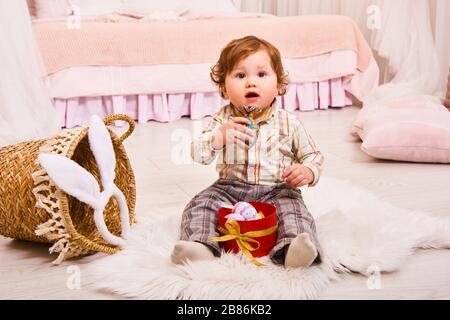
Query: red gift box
[(267, 242)]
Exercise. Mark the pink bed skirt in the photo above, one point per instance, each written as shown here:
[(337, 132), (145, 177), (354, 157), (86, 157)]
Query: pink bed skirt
[(170, 107)]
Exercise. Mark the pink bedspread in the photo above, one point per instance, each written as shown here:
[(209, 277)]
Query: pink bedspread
[(193, 41), (155, 79)]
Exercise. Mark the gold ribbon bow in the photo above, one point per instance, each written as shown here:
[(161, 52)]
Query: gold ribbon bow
[(232, 231)]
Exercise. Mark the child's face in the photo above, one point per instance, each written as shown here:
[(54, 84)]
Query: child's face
[(252, 81)]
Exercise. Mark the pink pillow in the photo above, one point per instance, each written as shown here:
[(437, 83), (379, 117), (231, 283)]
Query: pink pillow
[(409, 141), (414, 129)]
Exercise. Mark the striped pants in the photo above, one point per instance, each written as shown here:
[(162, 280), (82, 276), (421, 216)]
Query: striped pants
[(199, 221)]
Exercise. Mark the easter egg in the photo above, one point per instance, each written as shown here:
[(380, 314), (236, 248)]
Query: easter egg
[(245, 209), (234, 216)]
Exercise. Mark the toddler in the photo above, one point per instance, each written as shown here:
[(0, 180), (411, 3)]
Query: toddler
[(263, 154)]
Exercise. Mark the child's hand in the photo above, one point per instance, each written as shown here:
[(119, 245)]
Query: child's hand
[(298, 175), (233, 131)]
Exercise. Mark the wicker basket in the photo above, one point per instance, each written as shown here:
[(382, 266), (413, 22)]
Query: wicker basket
[(32, 208)]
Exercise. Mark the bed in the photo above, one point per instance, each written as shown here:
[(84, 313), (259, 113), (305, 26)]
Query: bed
[(159, 70)]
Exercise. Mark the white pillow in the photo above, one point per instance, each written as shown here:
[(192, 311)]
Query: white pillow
[(61, 8), (208, 6), (95, 7), (45, 9), (146, 7), (193, 7)]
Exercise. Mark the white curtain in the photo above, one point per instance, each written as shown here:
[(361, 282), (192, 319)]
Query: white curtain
[(440, 24), (410, 38), (26, 112)]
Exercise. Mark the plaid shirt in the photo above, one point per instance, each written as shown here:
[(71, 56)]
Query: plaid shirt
[(281, 141)]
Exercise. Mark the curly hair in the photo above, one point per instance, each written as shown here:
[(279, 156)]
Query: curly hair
[(241, 48)]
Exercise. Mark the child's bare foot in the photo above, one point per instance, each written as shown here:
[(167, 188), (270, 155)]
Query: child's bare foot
[(189, 250), (301, 252)]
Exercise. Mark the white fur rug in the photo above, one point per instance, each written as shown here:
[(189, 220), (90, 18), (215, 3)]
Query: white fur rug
[(358, 232)]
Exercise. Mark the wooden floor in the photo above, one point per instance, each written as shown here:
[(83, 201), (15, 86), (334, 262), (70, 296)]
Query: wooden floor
[(166, 179)]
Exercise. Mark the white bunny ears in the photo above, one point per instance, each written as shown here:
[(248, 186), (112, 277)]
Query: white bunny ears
[(79, 183)]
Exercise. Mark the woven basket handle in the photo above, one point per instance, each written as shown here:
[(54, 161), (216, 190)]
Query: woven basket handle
[(131, 125)]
